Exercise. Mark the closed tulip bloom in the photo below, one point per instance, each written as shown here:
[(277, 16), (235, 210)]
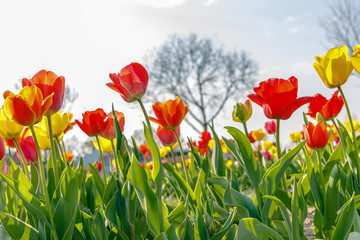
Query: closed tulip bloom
[(59, 123), (335, 67), (258, 135), (251, 138), (296, 137), (242, 112), (26, 108), (49, 84), (99, 166), (170, 113), (329, 109), (8, 128), (105, 145), (44, 139), (109, 131), (93, 122), (355, 124), (69, 156), (270, 127), (317, 136), (28, 147), (278, 97), (266, 145), (167, 137), (2, 148), (164, 151), (355, 58), (131, 82)]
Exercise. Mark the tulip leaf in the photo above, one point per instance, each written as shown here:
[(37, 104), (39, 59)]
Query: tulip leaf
[(252, 229), (17, 229), (178, 215), (98, 228), (226, 226), (295, 219), (346, 220), (217, 158), (99, 184), (246, 153)]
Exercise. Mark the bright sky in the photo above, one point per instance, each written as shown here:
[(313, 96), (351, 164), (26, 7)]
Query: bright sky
[(86, 40)]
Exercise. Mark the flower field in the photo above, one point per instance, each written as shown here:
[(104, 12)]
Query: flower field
[(244, 187)]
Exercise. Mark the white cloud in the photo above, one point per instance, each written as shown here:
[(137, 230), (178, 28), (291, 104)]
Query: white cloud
[(268, 33), (159, 3), (208, 2), (292, 19)]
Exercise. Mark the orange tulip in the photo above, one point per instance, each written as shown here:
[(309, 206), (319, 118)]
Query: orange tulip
[(49, 84), (317, 136), (28, 107), (167, 137), (131, 82), (93, 122), (170, 113), (109, 131)]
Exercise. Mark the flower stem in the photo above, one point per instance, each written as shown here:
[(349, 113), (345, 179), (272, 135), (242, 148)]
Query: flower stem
[(63, 154), (146, 116), (352, 131), (173, 157), (116, 158), (22, 157), (53, 152), (245, 129), (278, 150), (321, 171), (187, 177), (102, 159), (43, 180)]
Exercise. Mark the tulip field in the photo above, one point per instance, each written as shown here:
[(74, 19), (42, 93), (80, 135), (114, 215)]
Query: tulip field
[(247, 186)]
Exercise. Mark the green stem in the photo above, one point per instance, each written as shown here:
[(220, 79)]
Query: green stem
[(352, 131), (43, 181), (278, 151), (173, 157), (187, 177), (321, 171), (22, 157), (245, 129), (53, 152), (110, 164), (146, 116), (102, 159), (116, 158), (63, 154)]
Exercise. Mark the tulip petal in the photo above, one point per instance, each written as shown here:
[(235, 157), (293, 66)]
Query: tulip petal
[(294, 106)]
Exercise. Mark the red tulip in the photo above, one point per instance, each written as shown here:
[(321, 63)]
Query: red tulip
[(93, 122), (2, 148), (203, 144), (48, 83), (167, 137), (251, 138), (144, 149), (99, 166), (329, 109), (317, 136), (170, 113), (109, 131), (278, 97), (28, 147), (270, 127), (131, 82)]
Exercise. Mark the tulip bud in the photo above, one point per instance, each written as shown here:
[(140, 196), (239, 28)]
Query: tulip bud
[(355, 58), (242, 112), (270, 127)]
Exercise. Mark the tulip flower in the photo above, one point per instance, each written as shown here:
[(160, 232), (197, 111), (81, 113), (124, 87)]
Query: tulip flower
[(355, 58), (335, 67), (329, 109), (164, 151), (94, 122), (49, 84), (229, 163), (296, 137), (278, 97), (355, 124), (109, 131), (5, 168), (203, 144), (59, 123), (167, 137), (131, 82), (2, 148), (258, 135), (28, 107), (317, 136), (266, 155), (170, 113), (8, 128), (99, 166), (144, 149), (266, 145), (242, 112), (28, 148), (69, 156), (105, 145), (270, 127), (251, 138)]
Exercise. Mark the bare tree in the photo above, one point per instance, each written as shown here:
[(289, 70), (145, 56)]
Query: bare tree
[(204, 75), (69, 98), (342, 25)]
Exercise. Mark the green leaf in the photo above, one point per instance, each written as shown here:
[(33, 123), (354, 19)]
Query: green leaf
[(217, 157), (245, 150), (161, 236), (99, 184), (295, 205), (178, 215), (252, 229), (201, 226), (98, 228), (3, 233), (230, 235), (354, 236), (66, 208), (110, 190), (18, 229), (226, 226), (345, 221)]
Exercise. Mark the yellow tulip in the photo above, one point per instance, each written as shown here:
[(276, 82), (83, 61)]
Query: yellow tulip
[(266, 145), (59, 123), (224, 148), (355, 58), (272, 151), (43, 138), (105, 145), (355, 124), (178, 165), (335, 68), (211, 144), (164, 151), (229, 164), (242, 112), (8, 128), (296, 137), (258, 135)]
